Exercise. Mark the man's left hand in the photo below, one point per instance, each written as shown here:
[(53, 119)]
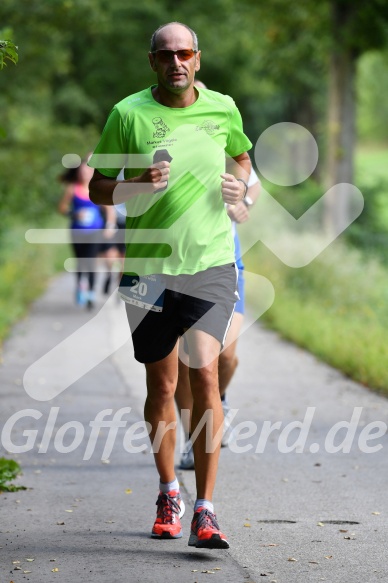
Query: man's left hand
[(232, 189)]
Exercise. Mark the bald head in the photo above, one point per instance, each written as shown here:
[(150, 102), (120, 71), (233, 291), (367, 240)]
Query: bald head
[(176, 28)]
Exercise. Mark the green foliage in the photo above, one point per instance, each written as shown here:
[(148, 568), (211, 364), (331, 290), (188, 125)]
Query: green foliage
[(24, 271), (363, 25), (372, 83), (370, 230), (78, 57), (31, 164), (8, 51), (335, 307), (296, 199), (9, 470)]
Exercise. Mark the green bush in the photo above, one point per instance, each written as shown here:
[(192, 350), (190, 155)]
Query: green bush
[(369, 231)]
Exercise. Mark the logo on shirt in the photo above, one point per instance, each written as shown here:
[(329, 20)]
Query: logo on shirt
[(209, 126), (160, 128)]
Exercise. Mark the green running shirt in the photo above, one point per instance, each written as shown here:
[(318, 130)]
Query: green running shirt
[(185, 228)]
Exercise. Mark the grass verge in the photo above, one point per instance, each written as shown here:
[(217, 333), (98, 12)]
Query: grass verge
[(24, 272), (335, 307)]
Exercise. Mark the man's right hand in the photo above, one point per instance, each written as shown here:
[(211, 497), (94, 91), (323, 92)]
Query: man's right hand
[(108, 191), (156, 176)]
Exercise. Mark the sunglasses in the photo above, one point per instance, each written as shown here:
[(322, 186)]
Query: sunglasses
[(166, 56)]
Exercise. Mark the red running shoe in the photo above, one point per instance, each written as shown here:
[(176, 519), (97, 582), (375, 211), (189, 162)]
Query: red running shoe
[(170, 509), (205, 532)]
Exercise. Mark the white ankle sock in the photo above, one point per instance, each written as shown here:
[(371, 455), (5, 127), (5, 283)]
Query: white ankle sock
[(202, 503), (164, 488)]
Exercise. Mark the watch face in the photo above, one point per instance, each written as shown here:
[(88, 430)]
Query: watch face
[(248, 201)]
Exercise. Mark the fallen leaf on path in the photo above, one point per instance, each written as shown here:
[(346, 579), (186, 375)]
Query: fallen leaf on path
[(55, 570), (247, 525), (68, 511), (313, 563), (17, 568), (329, 557), (128, 491), (30, 560), (320, 524), (208, 572), (292, 560), (16, 562), (343, 530), (376, 513), (61, 523), (25, 572)]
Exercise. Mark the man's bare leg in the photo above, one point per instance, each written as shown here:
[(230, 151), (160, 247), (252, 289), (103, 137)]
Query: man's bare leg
[(159, 409), (206, 398), (159, 412)]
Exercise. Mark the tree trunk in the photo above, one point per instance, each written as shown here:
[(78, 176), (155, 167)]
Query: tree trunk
[(341, 124)]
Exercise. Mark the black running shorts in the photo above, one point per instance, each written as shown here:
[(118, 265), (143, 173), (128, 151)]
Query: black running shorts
[(203, 301)]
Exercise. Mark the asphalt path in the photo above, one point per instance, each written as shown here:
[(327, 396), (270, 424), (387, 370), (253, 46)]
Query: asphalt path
[(299, 494)]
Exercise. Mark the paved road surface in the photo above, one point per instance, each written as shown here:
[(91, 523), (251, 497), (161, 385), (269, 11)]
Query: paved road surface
[(302, 515)]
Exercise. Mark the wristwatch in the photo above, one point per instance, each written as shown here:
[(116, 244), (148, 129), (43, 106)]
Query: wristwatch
[(248, 201)]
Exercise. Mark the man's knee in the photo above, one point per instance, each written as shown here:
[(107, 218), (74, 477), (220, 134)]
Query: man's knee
[(204, 381), (160, 388), (161, 393)]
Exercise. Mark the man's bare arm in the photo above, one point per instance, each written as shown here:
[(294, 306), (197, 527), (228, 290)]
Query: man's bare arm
[(109, 191), (235, 182)]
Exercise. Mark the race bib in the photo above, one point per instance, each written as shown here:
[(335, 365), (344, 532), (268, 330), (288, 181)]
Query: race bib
[(144, 291)]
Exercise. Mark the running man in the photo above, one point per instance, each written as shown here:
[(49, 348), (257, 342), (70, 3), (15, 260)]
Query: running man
[(179, 277)]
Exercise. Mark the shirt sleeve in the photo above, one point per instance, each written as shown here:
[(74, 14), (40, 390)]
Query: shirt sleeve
[(237, 142), (111, 152)]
